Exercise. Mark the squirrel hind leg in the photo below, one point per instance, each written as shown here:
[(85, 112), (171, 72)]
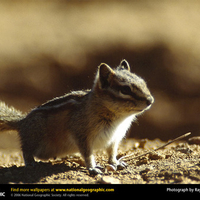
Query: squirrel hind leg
[(28, 159)]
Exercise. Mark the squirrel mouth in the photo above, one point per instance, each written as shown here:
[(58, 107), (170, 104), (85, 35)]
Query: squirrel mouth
[(143, 109), (138, 111)]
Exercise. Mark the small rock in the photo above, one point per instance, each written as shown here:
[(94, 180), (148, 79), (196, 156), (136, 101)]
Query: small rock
[(109, 180), (142, 143), (86, 179), (178, 173), (136, 145), (155, 156), (98, 177), (145, 177), (143, 160), (167, 175), (168, 156), (144, 171), (79, 179), (178, 179), (184, 150), (161, 173), (194, 140)]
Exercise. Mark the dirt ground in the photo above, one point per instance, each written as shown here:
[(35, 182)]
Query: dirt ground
[(177, 163)]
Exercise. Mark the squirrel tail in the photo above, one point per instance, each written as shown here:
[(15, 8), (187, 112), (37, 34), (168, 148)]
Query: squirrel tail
[(10, 118)]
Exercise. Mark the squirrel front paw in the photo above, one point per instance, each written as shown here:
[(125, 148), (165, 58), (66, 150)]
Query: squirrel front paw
[(95, 170), (119, 165)]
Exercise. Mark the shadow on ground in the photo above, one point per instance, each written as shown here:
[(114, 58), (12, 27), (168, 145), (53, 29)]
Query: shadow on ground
[(31, 174)]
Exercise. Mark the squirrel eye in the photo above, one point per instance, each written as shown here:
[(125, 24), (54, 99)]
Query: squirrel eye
[(126, 90)]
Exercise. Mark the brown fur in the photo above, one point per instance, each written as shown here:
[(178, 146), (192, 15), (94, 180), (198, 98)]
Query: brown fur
[(82, 120)]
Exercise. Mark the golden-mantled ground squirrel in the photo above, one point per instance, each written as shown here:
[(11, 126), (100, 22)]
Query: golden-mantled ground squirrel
[(82, 120)]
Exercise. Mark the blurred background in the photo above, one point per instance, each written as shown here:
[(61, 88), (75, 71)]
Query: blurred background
[(48, 48)]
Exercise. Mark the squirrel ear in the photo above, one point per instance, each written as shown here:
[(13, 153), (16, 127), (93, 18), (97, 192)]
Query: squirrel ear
[(124, 65), (105, 73)]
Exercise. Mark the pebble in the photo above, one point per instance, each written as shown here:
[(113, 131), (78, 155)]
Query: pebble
[(178, 179), (109, 180), (79, 179), (194, 140), (136, 145), (184, 150), (155, 156), (142, 143), (143, 160)]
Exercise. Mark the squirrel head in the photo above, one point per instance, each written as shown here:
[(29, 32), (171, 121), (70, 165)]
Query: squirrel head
[(120, 89)]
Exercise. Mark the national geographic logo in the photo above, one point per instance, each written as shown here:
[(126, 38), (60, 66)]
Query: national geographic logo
[(2, 194)]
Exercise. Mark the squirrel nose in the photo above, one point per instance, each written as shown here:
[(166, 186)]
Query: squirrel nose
[(150, 100)]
